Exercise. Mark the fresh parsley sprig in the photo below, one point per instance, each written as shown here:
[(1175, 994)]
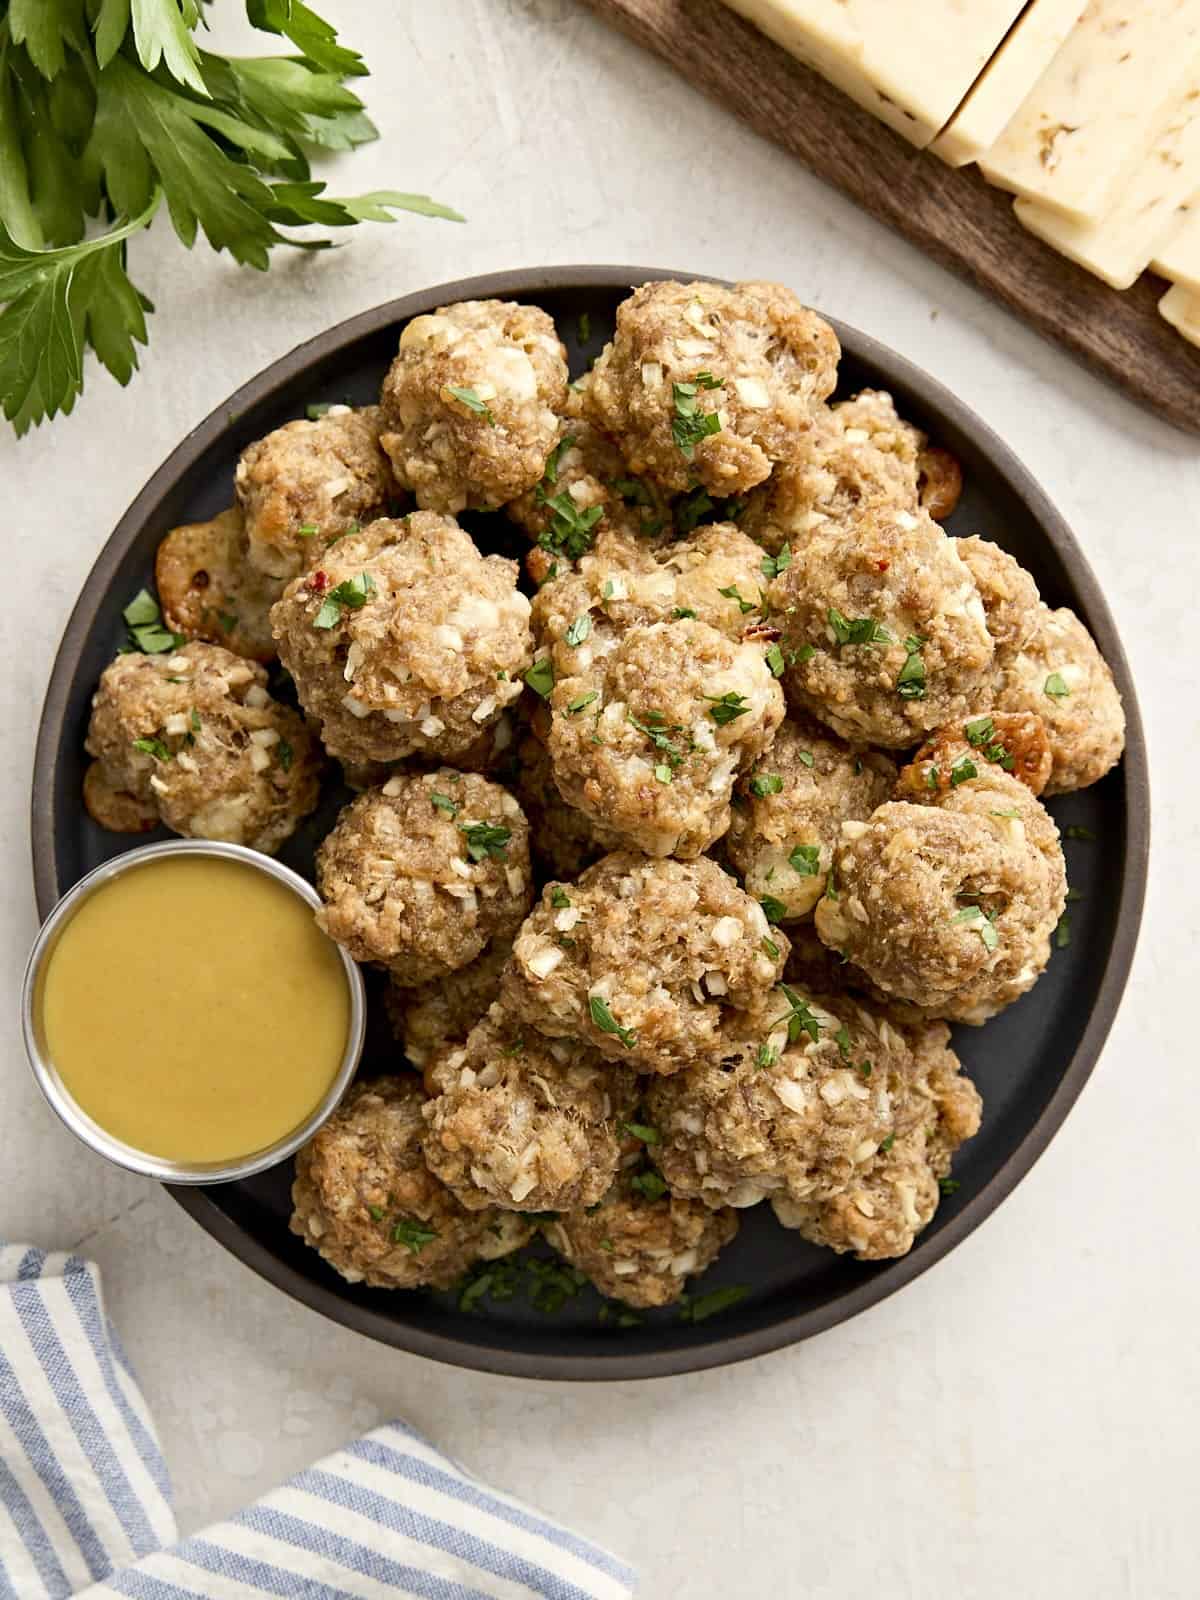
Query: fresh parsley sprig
[(109, 108)]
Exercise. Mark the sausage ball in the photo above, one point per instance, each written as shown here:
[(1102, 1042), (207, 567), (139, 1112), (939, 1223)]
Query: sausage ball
[(1047, 663), (795, 1103), (436, 1016), (711, 385), (643, 960), (420, 875), (642, 1249), (196, 737), (404, 640), (210, 591), (524, 1122), (308, 483), (950, 904), (884, 633), (562, 840), (471, 403), (649, 738), (788, 812), (856, 453), (365, 1200), (895, 1196)]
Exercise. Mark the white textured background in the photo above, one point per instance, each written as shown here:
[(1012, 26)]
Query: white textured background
[(1022, 1421)]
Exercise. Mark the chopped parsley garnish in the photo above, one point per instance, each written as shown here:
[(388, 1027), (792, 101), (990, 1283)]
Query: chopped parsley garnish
[(1010, 811), (886, 1144), (681, 612), (805, 653), (195, 720), (585, 327), (540, 677), (377, 1213), (559, 898), (1076, 830), (931, 777), (962, 769), (774, 659), (486, 839), (658, 731), (649, 1185), (949, 1185), (1056, 686), (732, 594), (981, 734), (765, 783), (152, 747), (642, 1131), (976, 918), (842, 1039), (578, 630), (307, 530), (350, 595), (147, 631), (412, 1235), (806, 757), (635, 493), (570, 529), (603, 1018), (771, 948), (1062, 933), (774, 910), (471, 400), (663, 773), (315, 412), (910, 685), (444, 803), (227, 621), (690, 424), (582, 700), (552, 1284), (857, 630), (700, 1307), (799, 1017), (806, 860), (766, 1056), (772, 566), (865, 1068), (285, 754), (725, 708)]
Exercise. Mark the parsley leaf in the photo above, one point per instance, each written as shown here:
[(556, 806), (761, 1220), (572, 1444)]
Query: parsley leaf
[(857, 630), (910, 685), (580, 702), (349, 595), (772, 566), (765, 783), (412, 1235), (806, 860), (642, 1131), (570, 529), (578, 631), (486, 839), (800, 1017), (976, 917), (540, 677), (724, 708), (471, 400), (649, 1185), (690, 423), (774, 659), (698, 1308), (152, 747), (1056, 686), (285, 755), (962, 769), (603, 1018), (444, 803), (732, 594), (553, 460), (147, 631), (774, 910)]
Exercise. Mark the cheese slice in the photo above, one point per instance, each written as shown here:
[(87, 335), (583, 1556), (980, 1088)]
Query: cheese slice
[(1012, 72), (1121, 246), (911, 65), (1178, 257), (1099, 106), (1182, 311)]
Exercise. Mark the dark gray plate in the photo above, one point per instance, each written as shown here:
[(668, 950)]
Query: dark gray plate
[(1030, 1063)]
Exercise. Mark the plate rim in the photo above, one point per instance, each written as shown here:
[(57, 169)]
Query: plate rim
[(722, 1350)]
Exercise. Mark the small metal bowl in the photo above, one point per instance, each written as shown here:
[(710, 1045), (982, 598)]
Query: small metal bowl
[(77, 1120)]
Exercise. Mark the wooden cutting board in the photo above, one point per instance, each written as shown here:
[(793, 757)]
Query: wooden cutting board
[(950, 213)]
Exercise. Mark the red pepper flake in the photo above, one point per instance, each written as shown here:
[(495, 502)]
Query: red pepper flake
[(882, 566), (318, 582)]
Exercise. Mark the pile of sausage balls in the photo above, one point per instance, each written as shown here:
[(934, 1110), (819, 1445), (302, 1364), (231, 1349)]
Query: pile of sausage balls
[(681, 851)]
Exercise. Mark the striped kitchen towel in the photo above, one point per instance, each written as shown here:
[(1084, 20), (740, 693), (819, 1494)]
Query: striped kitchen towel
[(85, 1502)]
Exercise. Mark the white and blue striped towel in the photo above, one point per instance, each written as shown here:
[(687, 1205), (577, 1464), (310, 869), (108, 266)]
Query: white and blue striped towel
[(85, 1501)]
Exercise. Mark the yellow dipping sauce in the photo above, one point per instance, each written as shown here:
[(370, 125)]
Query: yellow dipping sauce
[(193, 1008)]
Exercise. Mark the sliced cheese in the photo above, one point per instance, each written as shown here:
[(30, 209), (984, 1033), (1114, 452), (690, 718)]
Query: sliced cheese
[(1121, 246), (1011, 74), (1182, 311), (1178, 257), (1099, 106), (911, 65)]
